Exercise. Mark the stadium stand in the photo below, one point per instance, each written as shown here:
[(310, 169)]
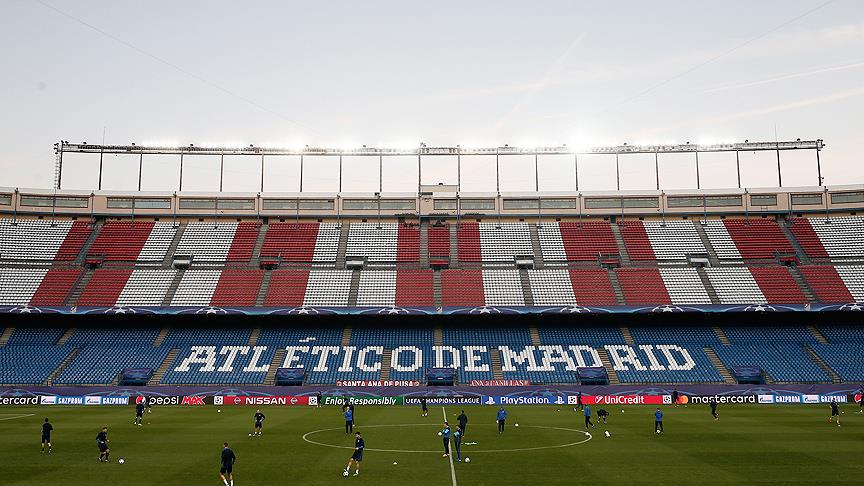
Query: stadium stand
[(836, 237), (218, 242), (306, 243), (573, 242), (141, 241), (33, 240)]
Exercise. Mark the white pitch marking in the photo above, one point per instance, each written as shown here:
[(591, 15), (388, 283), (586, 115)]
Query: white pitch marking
[(588, 436), (18, 416), (450, 456)]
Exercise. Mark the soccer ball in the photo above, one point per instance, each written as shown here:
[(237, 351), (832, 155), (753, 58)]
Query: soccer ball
[(250, 435), (658, 431), (121, 461), (439, 434), (345, 473), (608, 434), (219, 411), (517, 425), (467, 459)]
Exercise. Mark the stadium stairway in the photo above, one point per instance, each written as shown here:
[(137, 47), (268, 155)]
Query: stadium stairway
[(168, 261), (622, 249), (354, 288), (527, 294), (79, 287), (343, 246), (805, 287), (7, 333), (706, 282), (628, 338), (65, 337), (264, 289), (259, 242), (346, 335), (535, 335), (62, 366), (386, 360), (424, 243), (253, 336), (163, 367), (616, 286), (535, 246), (721, 335), (718, 365), (712, 255), (172, 288), (278, 357), (817, 334), (495, 358), (436, 288), (85, 248), (454, 245), (835, 377), (799, 250), (438, 336), (610, 370), (163, 333)]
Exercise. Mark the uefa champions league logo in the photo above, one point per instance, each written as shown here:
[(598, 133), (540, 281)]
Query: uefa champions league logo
[(667, 308), (760, 308), (210, 310), (855, 307), (25, 309)]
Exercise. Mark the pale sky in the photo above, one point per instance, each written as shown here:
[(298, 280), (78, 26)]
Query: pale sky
[(385, 73)]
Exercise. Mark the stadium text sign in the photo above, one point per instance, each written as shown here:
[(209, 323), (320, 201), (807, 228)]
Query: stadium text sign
[(444, 400), (197, 360), (621, 399), (500, 382), (377, 383)]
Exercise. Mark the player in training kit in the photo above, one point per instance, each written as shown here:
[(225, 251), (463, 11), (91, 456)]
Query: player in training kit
[(46, 435), (457, 442), (602, 415), (463, 422), (658, 421), (861, 401), (588, 422), (148, 402), (713, 404), (424, 411), (579, 400), (502, 416), (349, 420), (357, 457), (226, 471), (259, 418), (835, 411), (318, 399), (675, 396), (139, 413), (445, 435), (102, 443)]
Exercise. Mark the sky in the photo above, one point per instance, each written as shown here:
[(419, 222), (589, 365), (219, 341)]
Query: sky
[(397, 73)]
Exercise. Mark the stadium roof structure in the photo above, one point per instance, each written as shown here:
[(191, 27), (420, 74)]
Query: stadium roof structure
[(259, 153)]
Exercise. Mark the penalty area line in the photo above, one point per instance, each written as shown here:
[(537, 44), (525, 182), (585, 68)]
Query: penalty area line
[(450, 456)]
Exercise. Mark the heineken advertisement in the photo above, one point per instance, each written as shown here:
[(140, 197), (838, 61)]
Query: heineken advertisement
[(364, 400)]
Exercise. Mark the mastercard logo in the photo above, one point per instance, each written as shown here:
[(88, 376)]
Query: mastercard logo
[(683, 399)]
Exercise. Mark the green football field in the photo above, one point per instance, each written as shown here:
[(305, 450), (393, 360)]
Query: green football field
[(308, 446)]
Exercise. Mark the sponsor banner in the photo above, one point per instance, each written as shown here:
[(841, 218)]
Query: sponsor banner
[(621, 399), (82, 400), (799, 398), (261, 400), (705, 399), (444, 400), (525, 400), (500, 382), (194, 400), (382, 383), (19, 400), (339, 401)]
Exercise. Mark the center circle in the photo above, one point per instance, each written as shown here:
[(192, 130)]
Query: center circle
[(588, 436)]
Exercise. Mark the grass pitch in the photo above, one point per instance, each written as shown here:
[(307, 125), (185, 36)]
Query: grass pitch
[(749, 444)]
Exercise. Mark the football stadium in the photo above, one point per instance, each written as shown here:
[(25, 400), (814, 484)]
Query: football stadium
[(430, 332)]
